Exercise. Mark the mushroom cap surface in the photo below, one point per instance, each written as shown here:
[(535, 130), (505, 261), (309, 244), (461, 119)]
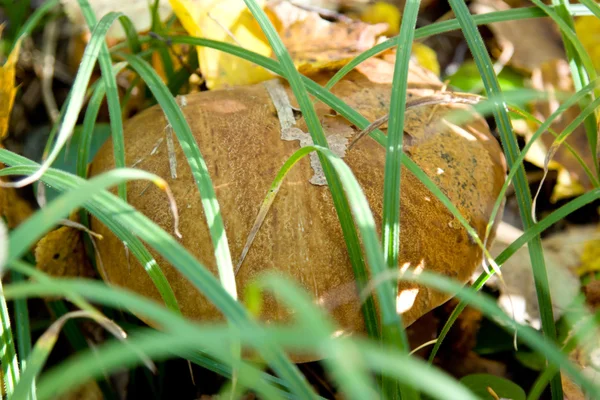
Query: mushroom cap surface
[(240, 137)]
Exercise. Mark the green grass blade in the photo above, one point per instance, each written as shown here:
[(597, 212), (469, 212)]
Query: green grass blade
[(592, 6), (131, 34), (198, 166), (112, 96), (530, 233), (580, 63), (8, 355), (392, 330), (82, 79), (26, 234), (110, 210), (89, 364), (288, 70), (23, 331), (369, 307), (133, 243), (352, 377), (35, 18), (45, 345), (511, 150), (89, 121), (574, 99), (447, 26), (183, 335), (490, 309)]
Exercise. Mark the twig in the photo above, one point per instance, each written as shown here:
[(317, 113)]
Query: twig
[(444, 98)]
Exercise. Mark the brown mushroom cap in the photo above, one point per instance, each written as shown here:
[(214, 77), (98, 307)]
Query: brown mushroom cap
[(239, 135)]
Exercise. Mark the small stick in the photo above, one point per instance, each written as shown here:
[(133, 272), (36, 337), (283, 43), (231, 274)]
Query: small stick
[(423, 101)]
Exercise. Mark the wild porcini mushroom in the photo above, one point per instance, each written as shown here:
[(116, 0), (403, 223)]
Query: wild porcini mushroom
[(240, 134)]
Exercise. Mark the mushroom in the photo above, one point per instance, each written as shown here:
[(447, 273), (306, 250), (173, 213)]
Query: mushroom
[(241, 138)]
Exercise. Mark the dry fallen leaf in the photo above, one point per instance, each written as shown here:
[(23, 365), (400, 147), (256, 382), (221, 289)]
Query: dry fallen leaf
[(7, 88), (543, 43), (136, 10), (61, 253), (552, 77), (13, 209), (226, 21), (316, 44)]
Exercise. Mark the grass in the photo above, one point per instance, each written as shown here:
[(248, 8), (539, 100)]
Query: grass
[(351, 362)]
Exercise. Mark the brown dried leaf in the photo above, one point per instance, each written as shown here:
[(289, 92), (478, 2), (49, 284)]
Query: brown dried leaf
[(555, 76), (543, 43), (61, 253), (316, 44), (13, 208), (570, 390)]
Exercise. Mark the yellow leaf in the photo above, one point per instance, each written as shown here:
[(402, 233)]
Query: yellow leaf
[(382, 12), (7, 89), (226, 21), (590, 259), (588, 32), (426, 57)]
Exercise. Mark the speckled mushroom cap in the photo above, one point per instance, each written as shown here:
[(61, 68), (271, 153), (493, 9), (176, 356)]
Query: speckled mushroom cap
[(239, 134)]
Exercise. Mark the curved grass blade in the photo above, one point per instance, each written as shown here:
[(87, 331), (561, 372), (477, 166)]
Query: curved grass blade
[(511, 150), (352, 377), (199, 170), (112, 95), (89, 121), (90, 363), (288, 71), (134, 244), (112, 211), (585, 113), (131, 34), (584, 326), (8, 355), (28, 232), (35, 18), (574, 99), (46, 343), (369, 313), (76, 101), (183, 335), (592, 6), (443, 27), (580, 63), (530, 233)]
